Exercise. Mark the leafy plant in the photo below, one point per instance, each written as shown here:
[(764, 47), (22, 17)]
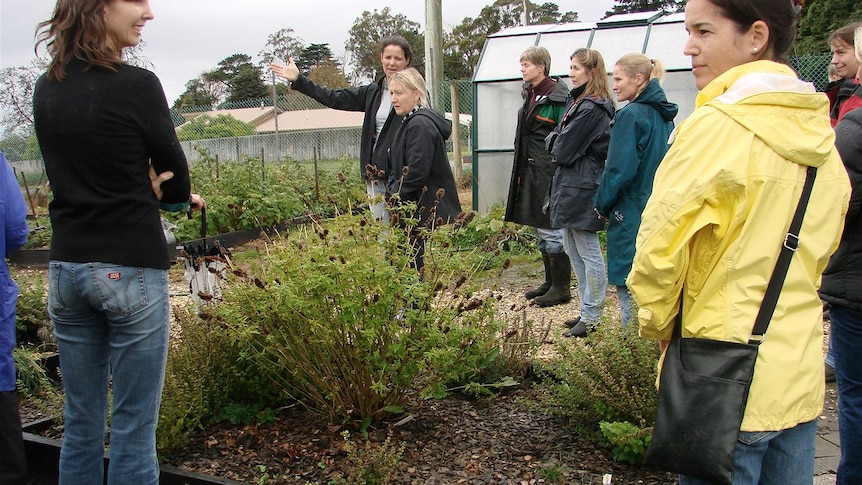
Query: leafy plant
[(209, 366), (251, 194), (609, 376), (32, 323), (40, 233), (372, 464), (235, 413), (34, 382), (343, 324), (629, 442)]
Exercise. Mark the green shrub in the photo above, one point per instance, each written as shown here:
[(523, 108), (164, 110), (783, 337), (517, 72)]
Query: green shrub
[(209, 366), (628, 442), (372, 464), (250, 194), (607, 377), (344, 325), (40, 233), (34, 383), (32, 323)]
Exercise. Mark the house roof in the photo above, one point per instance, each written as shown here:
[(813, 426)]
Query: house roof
[(313, 119), (253, 116)]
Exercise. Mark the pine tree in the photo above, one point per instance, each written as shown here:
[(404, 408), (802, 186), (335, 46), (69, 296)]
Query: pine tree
[(632, 6)]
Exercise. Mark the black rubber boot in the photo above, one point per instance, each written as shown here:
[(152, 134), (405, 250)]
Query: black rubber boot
[(561, 274), (13, 461), (544, 287)]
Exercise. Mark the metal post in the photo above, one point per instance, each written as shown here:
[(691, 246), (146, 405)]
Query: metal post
[(456, 130), (275, 117), (433, 51)]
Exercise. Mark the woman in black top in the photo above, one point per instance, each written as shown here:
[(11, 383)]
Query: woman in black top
[(112, 157), (380, 121)]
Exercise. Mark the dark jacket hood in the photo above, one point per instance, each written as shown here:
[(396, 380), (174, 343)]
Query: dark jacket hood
[(654, 96), (442, 124)]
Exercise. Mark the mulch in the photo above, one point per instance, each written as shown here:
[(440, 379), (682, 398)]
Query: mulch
[(498, 440)]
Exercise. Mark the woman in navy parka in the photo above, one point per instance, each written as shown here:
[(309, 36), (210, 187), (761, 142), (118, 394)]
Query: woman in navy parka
[(639, 140)]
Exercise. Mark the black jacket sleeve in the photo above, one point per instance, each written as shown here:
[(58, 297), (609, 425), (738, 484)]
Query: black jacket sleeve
[(348, 99), (164, 149)]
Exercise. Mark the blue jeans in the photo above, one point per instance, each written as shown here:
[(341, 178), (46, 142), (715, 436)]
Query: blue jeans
[(771, 457), (550, 240), (585, 254), (111, 324), (627, 303), (846, 341)]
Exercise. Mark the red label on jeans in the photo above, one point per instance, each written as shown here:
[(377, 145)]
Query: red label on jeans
[(114, 275)]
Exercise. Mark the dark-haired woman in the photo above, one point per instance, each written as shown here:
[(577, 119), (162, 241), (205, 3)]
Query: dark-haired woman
[(112, 157), (380, 121), (718, 216)]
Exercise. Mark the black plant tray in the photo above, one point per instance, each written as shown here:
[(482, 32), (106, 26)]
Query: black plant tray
[(43, 455), (38, 258)]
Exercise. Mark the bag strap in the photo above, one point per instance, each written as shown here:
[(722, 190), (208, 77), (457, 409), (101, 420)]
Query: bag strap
[(791, 244)]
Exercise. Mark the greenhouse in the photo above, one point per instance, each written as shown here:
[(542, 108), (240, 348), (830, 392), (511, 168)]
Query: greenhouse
[(497, 81)]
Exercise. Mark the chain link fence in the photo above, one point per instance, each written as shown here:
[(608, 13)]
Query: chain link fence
[(297, 128)]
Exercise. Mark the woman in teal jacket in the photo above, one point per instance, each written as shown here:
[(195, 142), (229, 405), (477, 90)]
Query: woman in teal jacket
[(639, 140)]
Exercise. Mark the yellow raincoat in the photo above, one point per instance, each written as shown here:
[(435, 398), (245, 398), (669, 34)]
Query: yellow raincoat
[(722, 202)]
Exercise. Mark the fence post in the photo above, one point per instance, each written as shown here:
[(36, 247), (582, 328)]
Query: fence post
[(314, 152), (456, 131), (262, 166)]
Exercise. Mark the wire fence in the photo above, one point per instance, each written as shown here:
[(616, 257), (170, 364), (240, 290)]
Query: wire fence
[(297, 128)]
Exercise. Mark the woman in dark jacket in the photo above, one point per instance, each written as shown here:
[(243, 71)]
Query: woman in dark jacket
[(533, 167), (639, 140), (418, 164), (580, 146), (840, 288), (380, 121)]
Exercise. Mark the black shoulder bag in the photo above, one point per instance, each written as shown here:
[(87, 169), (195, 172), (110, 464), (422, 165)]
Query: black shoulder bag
[(704, 383)]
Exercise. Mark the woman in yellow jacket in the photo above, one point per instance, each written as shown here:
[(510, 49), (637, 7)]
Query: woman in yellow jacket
[(721, 205)]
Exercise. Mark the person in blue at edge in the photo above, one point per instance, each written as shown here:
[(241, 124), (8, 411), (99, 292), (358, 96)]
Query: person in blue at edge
[(380, 121), (113, 160), (842, 289), (580, 146), (13, 222), (419, 170), (639, 140)]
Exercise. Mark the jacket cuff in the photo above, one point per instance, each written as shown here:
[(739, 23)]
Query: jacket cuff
[(174, 207)]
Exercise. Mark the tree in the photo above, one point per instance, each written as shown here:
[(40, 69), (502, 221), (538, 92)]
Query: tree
[(633, 6), (198, 93), (247, 84), (330, 75), (238, 77), (280, 46), (16, 95), (221, 126), (464, 44), (365, 35), (314, 55), (819, 18)]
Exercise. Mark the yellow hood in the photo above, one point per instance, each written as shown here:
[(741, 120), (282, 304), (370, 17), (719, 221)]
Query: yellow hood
[(767, 99)]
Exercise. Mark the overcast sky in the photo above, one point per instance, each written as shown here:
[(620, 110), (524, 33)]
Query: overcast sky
[(188, 37)]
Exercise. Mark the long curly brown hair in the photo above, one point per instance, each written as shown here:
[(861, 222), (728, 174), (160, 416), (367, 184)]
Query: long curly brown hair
[(77, 30)]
